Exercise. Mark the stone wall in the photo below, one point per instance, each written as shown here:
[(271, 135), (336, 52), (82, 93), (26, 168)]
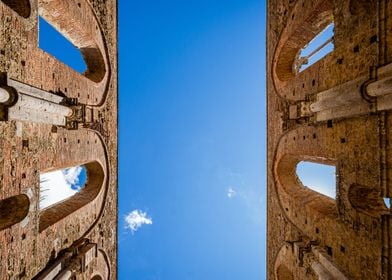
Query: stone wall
[(311, 236), (37, 240)]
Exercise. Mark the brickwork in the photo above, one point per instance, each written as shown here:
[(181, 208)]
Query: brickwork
[(311, 236), (33, 242)]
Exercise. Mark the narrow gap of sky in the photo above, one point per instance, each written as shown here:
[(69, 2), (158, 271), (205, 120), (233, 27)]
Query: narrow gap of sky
[(192, 130)]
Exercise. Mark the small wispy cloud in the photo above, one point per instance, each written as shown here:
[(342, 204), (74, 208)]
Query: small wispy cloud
[(231, 192), (251, 199), (136, 219)]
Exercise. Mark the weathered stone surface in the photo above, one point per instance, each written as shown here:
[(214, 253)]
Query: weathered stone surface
[(27, 148), (352, 233)]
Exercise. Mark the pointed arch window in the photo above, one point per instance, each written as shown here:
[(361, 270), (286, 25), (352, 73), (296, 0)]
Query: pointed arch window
[(71, 25), (60, 185), (317, 48), (82, 195), (318, 177)]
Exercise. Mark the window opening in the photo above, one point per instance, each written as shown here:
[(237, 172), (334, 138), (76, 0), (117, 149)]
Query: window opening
[(318, 177), (387, 202), (316, 49), (59, 185), (50, 41)]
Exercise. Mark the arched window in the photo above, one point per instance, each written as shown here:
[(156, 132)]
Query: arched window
[(50, 40), (69, 19), (299, 187), (13, 210), (318, 47), (305, 42), (21, 7), (59, 185), (318, 177), (93, 185)]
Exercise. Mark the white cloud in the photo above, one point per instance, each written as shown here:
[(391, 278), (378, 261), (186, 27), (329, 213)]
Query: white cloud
[(56, 186), (136, 219), (71, 175), (231, 192)]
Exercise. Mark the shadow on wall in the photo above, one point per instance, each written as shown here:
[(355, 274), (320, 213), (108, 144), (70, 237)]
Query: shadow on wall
[(283, 273), (318, 177), (21, 7), (13, 210)]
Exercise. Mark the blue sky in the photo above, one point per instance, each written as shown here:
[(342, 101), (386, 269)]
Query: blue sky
[(317, 42), (192, 128)]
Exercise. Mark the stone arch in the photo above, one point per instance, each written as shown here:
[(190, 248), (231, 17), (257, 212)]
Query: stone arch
[(296, 36), (79, 216), (76, 21), (293, 187), (95, 179), (291, 44), (97, 277), (319, 218), (13, 210), (21, 7), (61, 15)]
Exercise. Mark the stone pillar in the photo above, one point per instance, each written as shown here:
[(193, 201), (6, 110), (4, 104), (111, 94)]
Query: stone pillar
[(35, 105), (4, 95)]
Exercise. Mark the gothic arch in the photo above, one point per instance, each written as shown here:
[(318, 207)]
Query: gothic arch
[(291, 42), (95, 179), (62, 16), (76, 21), (292, 186), (90, 153), (302, 28), (316, 216)]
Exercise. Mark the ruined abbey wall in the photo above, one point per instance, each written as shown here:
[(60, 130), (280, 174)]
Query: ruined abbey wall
[(75, 239), (337, 112)]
